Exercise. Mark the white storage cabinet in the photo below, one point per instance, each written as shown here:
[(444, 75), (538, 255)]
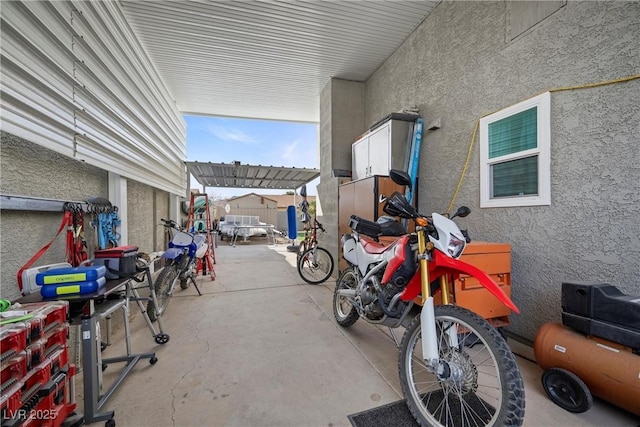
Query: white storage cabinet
[(379, 150)]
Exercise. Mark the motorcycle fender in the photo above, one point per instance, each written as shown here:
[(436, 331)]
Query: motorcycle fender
[(397, 260), (349, 251), (442, 264), (172, 253)]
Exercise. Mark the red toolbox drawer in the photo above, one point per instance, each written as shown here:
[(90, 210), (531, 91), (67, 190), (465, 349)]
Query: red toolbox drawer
[(13, 369), (13, 339)]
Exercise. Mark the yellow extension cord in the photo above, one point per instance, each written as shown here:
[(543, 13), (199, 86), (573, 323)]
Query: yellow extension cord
[(475, 128)]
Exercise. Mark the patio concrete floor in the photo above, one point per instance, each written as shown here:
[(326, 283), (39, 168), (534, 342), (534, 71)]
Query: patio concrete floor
[(261, 347)]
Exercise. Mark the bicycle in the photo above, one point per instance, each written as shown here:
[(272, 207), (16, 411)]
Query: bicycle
[(314, 263)]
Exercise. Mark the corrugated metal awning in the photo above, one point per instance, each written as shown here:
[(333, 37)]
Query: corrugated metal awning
[(236, 175)]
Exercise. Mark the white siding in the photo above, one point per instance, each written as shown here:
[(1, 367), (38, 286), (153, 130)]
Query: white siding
[(76, 80)]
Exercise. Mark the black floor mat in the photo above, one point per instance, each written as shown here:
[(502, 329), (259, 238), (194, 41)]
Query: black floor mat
[(394, 414), (397, 414)]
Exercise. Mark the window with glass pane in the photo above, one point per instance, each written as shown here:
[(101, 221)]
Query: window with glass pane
[(514, 134), (515, 155), (515, 178)]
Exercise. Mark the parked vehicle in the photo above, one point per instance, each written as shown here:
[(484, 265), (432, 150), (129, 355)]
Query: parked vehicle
[(244, 226), (455, 368), (181, 258)]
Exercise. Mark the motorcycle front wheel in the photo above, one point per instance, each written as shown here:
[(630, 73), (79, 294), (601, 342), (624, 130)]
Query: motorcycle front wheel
[(315, 265), (480, 383), (163, 287)]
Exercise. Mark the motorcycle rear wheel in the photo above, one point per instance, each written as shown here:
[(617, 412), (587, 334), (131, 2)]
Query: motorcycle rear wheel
[(344, 312), (484, 388), (315, 265), (162, 286)]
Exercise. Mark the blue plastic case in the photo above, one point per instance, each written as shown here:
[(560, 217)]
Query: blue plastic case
[(77, 288), (57, 276)]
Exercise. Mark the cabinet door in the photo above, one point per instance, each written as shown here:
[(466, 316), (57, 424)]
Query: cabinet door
[(360, 159), (380, 151)]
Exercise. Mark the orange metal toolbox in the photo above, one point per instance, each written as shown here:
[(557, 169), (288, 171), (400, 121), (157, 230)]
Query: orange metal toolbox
[(495, 260)]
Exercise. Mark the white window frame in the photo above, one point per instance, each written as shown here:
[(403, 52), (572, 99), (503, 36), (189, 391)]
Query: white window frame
[(543, 151)]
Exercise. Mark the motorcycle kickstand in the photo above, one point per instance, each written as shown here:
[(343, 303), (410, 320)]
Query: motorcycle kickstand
[(195, 285), (395, 340)]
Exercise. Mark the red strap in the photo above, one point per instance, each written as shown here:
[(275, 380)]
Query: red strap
[(75, 243), (69, 246), (66, 219)]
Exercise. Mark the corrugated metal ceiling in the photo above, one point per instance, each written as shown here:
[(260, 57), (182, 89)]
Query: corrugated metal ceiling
[(267, 59), (236, 175)]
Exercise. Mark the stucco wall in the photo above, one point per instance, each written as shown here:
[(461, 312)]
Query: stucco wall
[(341, 121), (459, 66), (30, 170), (145, 206)]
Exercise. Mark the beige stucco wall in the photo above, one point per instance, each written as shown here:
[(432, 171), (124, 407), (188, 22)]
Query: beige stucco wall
[(30, 170)]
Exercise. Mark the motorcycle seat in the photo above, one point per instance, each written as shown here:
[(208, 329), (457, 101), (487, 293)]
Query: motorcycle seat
[(372, 247)]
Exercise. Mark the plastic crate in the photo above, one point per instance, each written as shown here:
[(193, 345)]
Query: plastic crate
[(13, 339), (51, 313)]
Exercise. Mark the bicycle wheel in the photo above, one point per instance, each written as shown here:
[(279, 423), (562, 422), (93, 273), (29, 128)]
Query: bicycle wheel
[(163, 287), (479, 383), (315, 265)]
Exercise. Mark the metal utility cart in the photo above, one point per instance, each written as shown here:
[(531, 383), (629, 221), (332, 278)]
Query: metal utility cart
[(88, 310)]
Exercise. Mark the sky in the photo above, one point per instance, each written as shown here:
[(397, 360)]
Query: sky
[(254, 142)]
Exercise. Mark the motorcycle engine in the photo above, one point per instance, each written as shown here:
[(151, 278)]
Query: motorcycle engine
[(370, 299)]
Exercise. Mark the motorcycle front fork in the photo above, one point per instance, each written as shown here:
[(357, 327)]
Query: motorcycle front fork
[(430, 341)]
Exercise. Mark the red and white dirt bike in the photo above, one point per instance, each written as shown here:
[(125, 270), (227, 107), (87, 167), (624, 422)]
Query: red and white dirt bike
[(455, 368)]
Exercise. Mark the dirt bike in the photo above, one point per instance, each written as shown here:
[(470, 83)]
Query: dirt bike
[(181, 258), (455, 368)]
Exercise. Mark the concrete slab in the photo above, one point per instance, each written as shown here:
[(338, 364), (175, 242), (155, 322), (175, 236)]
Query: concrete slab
[(261, 348)]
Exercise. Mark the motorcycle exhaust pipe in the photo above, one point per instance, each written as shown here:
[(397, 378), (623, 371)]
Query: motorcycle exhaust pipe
[(349, 293)]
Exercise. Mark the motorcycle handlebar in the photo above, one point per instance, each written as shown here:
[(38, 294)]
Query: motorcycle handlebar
[(170, 223)]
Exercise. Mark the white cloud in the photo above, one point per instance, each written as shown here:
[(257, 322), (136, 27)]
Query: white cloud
[(290, 150), (231, 134)]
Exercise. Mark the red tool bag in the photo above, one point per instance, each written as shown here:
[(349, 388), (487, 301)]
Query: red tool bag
[(73, 221)]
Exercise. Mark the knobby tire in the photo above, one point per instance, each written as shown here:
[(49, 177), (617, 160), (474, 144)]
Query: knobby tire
[(344, 312), (485, 387), (162, 287)]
